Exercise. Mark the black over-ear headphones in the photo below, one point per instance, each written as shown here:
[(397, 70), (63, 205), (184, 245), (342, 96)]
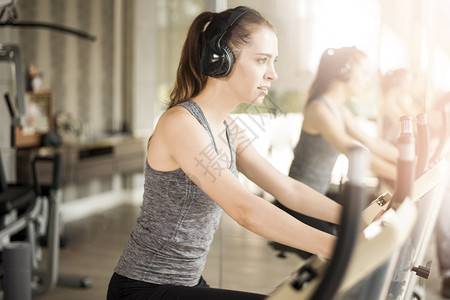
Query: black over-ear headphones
[(217, 58), (344, 71)]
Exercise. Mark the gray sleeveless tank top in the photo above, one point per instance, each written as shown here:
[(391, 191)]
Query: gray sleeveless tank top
[(176, 226), (314, 159)]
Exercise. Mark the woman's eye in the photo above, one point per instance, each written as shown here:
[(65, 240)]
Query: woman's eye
[(262, 60)]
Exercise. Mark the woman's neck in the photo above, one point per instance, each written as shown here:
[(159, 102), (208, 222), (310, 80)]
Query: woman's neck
[(336, 95), (215, 104)]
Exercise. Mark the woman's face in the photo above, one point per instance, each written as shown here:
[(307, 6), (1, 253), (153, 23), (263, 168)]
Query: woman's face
[(360, 78), (254, 69)]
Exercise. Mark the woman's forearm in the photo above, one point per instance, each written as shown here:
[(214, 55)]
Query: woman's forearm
[(274, 224), (309, 202), (383, 168)]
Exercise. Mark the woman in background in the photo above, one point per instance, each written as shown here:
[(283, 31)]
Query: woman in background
[(395, 101), (329, 128)]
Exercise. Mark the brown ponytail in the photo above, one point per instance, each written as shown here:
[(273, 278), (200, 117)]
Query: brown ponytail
[(189, 80)]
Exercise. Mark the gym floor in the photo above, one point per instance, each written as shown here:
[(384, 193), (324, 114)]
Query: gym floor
[(238, 259)]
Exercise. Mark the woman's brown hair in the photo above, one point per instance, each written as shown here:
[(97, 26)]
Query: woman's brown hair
[(190, 81), (335, 64)]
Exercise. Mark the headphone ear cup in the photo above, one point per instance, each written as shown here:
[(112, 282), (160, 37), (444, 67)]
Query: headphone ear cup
[(228, 61), (344, 73), (216, 64), (207, 61)]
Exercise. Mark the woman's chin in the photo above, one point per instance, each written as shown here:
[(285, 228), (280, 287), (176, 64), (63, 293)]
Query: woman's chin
[(258, 100)]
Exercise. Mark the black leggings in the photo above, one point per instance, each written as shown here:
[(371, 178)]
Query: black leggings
[(121, 287)]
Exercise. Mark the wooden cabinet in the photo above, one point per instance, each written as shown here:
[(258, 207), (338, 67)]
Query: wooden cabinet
[(87, 161)]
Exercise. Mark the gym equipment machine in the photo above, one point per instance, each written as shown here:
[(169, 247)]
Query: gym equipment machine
[(319, 278), (32, 208), (379, 251)]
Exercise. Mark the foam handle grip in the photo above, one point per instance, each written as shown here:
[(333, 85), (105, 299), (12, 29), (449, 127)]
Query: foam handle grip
[(13, 136), (17, 271), (10, 106)]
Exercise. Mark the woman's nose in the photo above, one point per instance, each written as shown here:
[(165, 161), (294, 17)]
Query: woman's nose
[(271, 74)]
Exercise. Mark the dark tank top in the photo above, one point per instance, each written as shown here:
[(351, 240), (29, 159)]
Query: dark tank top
[(174, 231), (314, 159)]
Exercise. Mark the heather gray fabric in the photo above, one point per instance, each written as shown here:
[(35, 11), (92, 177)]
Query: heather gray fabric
[(314, 159), (173, 233)]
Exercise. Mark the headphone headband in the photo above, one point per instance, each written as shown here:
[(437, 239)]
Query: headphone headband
[(235, 14)]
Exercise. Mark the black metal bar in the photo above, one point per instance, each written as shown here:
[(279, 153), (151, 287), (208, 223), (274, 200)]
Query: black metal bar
[(56, 27), (353, 198), (13, 115)]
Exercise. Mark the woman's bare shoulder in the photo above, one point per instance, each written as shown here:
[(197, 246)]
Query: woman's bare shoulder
[(172, 135), (315, 112), (178, 124), (174, 117), (316, 106)]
